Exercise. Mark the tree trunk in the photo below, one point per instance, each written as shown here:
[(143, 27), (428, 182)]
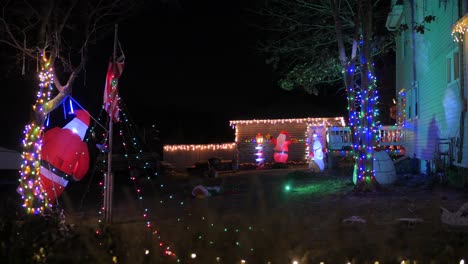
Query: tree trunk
[(365, 174), (360, 120)]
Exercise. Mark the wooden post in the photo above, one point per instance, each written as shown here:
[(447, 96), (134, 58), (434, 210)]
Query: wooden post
[(108, 180)]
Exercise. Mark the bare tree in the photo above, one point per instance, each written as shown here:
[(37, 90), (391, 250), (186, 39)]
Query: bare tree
[(54, 35), (57, 34)]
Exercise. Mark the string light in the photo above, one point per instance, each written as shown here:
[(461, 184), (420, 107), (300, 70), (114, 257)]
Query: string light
[(210, 147), (313, 121), (134, 155), (363, 120), (459, 29), (34, 198)]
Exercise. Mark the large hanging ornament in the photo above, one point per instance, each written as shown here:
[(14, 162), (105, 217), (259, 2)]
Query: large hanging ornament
[(65, 156)]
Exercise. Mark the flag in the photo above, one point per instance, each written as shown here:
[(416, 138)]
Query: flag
[(111, 95)]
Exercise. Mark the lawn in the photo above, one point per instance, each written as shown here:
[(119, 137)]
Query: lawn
[(256, 218)]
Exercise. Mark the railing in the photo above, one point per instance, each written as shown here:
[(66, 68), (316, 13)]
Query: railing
[(390, 136), (339, 138)]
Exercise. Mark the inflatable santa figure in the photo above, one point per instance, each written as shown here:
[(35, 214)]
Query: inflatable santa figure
[(64, 156), (281, 147)]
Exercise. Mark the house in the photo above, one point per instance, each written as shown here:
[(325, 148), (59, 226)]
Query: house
[(431, 87)]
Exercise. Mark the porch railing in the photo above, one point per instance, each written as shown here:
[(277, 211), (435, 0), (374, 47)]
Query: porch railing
[(339, 138)]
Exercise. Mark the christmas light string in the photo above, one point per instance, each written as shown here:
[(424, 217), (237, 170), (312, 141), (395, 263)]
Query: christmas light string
[(32, 194), (187, 221), (133, 150)]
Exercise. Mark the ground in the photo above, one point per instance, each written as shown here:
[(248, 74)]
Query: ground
[(257, 219)]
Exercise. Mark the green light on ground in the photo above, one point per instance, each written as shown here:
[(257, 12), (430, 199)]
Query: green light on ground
[(287, 187), (321, 187)]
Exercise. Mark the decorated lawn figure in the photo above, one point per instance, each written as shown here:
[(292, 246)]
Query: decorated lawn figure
[(259, 159), (281, 147), (316, 163), (201, 191), (64, 155)]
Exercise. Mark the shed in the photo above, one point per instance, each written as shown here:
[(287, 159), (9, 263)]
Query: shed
[(300, 131), (9, 159), (185, 156)]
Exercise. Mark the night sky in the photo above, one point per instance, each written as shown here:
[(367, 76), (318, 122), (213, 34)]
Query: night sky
[(190, 68)]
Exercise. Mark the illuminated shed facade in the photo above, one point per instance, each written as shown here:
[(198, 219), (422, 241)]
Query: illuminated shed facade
[(300, 132)]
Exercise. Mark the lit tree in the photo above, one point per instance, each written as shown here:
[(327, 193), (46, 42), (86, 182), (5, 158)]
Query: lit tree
[(52, 35), (303, 42)]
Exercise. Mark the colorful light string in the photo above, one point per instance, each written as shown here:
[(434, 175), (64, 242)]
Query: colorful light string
[(34, 198)]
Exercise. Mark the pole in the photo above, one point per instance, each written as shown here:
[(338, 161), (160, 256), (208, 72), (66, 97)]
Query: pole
[(108, 180)]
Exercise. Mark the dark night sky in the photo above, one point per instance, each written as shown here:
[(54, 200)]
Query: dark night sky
[(189, 70)]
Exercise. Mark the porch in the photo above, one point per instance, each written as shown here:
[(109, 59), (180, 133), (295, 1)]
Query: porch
[(339, 142)]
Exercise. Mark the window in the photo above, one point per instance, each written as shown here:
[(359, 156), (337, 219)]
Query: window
[(409, 99), (453, 66), (401, 107), (403, 40), (449, 70), (403, 45), (420, 7), (416, 99)]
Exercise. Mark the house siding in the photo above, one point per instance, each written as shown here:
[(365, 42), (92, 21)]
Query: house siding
[(464, 161), (439, 104)]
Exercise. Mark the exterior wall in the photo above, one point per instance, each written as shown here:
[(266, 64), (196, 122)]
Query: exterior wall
[(246, 140), (464, 47), (422, 74), (464, 162), (183, 156)]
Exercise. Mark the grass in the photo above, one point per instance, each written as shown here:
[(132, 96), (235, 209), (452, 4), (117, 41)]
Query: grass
[(255, 219)]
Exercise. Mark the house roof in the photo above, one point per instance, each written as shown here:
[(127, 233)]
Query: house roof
[(314, 121)]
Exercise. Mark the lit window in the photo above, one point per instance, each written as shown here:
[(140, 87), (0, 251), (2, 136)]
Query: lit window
[(449, 70)]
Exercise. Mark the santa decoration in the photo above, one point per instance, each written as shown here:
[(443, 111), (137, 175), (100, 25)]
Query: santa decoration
[(281, 147), (64, 156)]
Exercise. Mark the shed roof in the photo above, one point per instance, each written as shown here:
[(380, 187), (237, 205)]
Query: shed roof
[(315, 121)]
